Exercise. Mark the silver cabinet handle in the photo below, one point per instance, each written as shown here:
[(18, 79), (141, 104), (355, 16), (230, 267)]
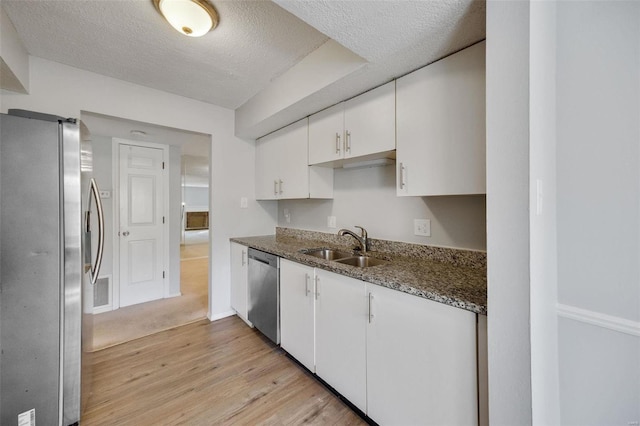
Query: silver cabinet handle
[(244, 256), (403, 182), (337, 143), (95, 192), (347, 141), (370, 308), (280, 186), (317, 293), (306, 284), (275, 187), (125, 234)]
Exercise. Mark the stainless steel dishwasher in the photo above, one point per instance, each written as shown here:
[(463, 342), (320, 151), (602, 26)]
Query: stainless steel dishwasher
[(264, 293)]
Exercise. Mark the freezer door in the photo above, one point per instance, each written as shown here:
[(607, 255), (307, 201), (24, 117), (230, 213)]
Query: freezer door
[(31, 256), (40, 269)]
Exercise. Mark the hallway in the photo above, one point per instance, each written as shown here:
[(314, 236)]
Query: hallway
[(133, 322)]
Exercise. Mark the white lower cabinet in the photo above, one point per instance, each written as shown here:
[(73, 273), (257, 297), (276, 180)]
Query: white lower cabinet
[(421, 361), (239, 280), (401, 359), (341, 321), (297, 295)]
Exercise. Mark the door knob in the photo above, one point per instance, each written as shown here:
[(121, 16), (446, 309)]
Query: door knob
[(125, 234)]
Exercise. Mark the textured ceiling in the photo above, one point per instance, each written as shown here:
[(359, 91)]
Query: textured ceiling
[(394, 36), (378, 30), (127, 39), (256, 41)]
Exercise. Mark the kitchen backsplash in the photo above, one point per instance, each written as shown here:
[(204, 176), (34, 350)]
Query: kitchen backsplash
[(367, 197)]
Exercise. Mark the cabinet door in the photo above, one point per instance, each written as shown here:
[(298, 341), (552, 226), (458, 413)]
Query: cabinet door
[(341, 320), (293, 170), (297, 312), (239, 280), (441, 126), (421, 361), (326, 135), (370, 122), (267, 167)]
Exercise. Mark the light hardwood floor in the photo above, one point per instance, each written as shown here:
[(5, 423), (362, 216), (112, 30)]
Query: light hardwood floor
[(207, 373)]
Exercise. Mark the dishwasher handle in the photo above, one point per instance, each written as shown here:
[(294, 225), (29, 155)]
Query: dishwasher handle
[(262, 257), (258, 260)]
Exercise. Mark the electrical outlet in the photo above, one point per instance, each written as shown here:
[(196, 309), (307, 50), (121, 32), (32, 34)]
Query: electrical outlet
[(422, 227), (243, 202), (287, 215), (331, 221), (105, 194)]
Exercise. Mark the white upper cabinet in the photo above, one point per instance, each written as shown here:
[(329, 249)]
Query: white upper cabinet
[(360, 127), (326, 133), (370, 122), (441, 127), (282, 170)]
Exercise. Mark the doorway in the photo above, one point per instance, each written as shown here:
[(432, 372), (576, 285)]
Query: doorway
[(114, 322), (195, 206)]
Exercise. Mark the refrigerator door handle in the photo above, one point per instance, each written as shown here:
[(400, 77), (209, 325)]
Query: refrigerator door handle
[(95, 269)]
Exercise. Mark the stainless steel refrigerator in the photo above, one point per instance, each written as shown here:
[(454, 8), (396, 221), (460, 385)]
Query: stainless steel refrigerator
[(45, 255)]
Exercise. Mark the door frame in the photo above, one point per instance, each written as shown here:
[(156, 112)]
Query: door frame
[(115, 168)]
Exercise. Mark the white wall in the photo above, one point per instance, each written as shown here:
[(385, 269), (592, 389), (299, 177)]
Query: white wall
[(196, 196), (563, 107), (175, 224), (103, 174), (508, 213), (598, 172), (66, 91), (545, 403), (367, 197)]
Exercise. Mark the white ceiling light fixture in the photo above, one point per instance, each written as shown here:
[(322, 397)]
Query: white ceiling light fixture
[(193, 18)]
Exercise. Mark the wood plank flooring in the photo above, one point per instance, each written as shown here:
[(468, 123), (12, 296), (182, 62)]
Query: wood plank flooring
[(207, 373)]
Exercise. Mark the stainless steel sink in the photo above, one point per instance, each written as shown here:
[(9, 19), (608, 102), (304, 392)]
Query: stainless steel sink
[(362, 261), (328, 254)]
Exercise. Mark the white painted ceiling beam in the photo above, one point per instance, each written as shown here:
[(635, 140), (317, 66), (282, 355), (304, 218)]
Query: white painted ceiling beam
[(324, 66)]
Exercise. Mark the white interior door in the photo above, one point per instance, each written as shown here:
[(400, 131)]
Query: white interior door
[(141, 224)]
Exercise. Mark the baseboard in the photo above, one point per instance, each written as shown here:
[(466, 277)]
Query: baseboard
[(174, 295), (220, 315), (102, 309), (598, 319)]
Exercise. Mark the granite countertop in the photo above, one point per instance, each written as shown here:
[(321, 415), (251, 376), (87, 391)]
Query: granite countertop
[(454, 277)]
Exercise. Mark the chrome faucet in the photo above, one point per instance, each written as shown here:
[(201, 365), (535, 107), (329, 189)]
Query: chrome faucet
[(363, 239)]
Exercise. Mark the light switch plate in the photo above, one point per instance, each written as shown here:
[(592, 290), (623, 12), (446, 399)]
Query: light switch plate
[(331, 221), (243, 202), (422, 227)]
